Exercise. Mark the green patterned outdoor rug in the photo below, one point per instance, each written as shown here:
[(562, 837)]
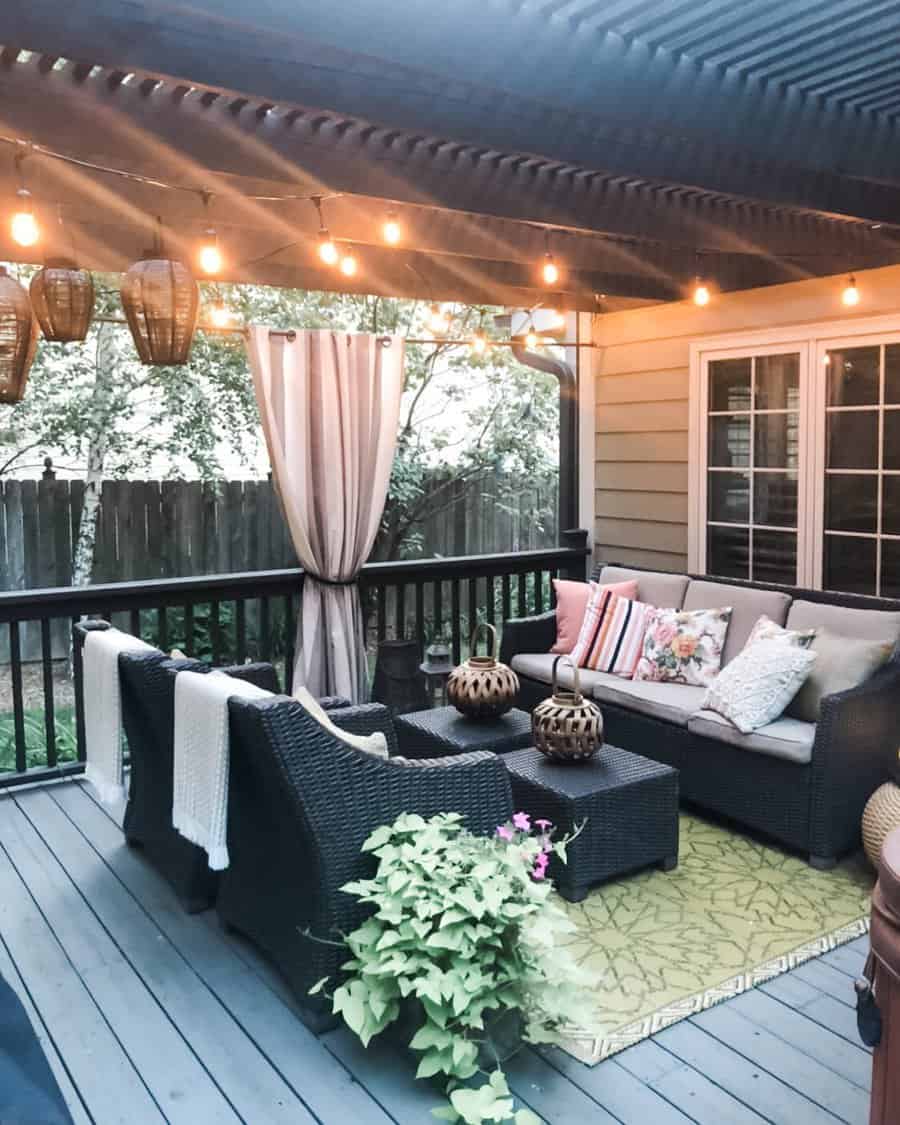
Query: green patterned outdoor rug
[(734, 913)]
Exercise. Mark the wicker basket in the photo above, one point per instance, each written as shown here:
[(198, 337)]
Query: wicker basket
[(567, 727), (161, 302), (18, 338), (482, 687), (880, 817)]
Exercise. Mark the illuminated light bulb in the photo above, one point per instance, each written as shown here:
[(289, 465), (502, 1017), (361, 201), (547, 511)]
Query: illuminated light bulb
[(850, 296), (701, 294), (348, 265), (550, 270), (24, 227), (328, 252), (557, 319), (220, 314), (479, 344), (438, 322), (391, 231), (210, 256), (532, 341)]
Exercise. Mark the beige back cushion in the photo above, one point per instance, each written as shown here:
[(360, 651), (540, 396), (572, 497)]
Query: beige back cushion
[(864, 624), (842, 663), (747, 606), (656, 588)]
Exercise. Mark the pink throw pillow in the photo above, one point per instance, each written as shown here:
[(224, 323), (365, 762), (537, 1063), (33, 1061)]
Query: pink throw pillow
[(571, 605)]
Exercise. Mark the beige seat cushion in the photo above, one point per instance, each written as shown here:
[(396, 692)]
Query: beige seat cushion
[(841, 663), (785, 738), (864, 624), (674, 703), (747, 606), (539, 666), (656, 588)]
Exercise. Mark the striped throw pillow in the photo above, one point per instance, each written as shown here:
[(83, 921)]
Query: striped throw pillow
[(612, 634)]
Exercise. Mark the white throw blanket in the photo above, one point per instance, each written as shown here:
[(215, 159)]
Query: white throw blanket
[(201, 750), (103, 710)]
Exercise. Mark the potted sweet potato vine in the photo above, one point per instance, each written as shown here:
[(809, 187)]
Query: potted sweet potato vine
[(462, 950)]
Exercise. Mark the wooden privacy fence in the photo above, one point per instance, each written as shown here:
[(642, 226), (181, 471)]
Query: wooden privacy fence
[(182, 529)]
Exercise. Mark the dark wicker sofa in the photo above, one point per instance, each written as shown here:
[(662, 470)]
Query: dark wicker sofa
[(300, 805), (809, 793)]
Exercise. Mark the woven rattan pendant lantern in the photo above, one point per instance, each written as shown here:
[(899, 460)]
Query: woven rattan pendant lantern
[(161, 302), (18, 338), (62, 297)]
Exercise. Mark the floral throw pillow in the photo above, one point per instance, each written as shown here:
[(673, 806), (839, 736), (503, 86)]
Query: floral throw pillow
[(684, 646), (766, 629)]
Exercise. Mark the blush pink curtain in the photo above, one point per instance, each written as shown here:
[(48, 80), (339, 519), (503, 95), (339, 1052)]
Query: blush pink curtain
[(330, 406)]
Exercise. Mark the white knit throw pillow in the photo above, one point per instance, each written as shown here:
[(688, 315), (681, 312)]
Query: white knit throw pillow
[(759, 683)]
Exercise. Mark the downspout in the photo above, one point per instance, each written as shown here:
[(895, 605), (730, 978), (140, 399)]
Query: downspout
[(568, 430)]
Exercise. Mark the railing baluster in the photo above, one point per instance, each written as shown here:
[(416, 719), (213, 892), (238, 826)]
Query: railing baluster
[(438, 606), (454, 620), (78, 687), (135, 623), (189, 628), (506, 597), (240, 615), (553, 574), (538, 591), (264, 647), (162, 621), (49, 713), (400, 612), (420, 617), (523, 596), (15, 659), (473, 609), (489, 600), (215, 633), (381, 612), (289, 628)]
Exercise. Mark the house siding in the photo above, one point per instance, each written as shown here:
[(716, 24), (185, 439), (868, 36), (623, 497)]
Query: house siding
[(641, 380)]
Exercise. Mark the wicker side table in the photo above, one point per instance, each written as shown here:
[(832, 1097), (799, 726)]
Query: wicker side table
[(442, 731), (629, 805)]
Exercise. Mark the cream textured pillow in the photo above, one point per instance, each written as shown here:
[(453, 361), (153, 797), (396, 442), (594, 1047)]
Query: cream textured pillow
[(766, 629), (683, 646), (841, 663), (374, 743), (759, 683)]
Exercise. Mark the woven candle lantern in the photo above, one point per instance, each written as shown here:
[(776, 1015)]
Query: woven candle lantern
[(161, 302), (482, 687), (62, 296), (567, 727), (18, 338)]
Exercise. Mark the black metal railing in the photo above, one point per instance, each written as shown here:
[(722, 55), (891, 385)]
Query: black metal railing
[(231, 618)]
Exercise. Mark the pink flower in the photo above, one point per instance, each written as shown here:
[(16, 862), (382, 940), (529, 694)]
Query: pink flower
[(540, 867), (544, 825), (522, 821), (504, 832), (664, 634)]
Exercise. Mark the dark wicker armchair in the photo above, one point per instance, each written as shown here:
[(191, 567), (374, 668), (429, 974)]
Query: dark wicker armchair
[(301, 803)]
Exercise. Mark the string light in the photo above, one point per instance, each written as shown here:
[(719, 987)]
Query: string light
[(557, 319), (392, 232), (701, 293), (479, 343), (850, 296), (549, 270), (532, 341), (210, 256), (219, 314), (348, 265), (24, 226), (438, 321)]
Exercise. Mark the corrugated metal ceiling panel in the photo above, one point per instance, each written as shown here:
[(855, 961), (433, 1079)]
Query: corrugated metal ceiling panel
[(847, 51)]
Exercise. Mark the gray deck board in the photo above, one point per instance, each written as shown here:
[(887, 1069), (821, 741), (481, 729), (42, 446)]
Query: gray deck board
[(149, 1015)]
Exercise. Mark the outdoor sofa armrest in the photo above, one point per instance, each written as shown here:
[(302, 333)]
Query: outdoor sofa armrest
[(528, 634), (366, 718), (856, 742), (261, 675), (334, 702)]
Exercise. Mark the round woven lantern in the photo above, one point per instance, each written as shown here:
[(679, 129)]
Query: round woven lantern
[(482, 687), (567, 727), (62, 297), (161, 302), (18, 338), (880, 817)]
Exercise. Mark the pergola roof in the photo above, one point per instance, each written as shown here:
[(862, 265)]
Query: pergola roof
[(639, 133)]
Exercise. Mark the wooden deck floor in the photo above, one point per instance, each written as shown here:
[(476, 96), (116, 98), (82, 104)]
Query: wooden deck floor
[(149, 1015)]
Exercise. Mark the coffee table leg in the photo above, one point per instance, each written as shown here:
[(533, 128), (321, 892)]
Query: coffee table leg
[(576, 894), (669, 863)]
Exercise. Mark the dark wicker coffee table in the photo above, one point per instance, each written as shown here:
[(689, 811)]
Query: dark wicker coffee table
[(629, 805), (442, 731)]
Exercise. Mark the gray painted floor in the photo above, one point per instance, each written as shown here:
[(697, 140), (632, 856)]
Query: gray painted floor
[(150, 1015)]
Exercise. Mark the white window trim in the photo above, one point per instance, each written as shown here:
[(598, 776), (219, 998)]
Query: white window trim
[(811, 340)]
